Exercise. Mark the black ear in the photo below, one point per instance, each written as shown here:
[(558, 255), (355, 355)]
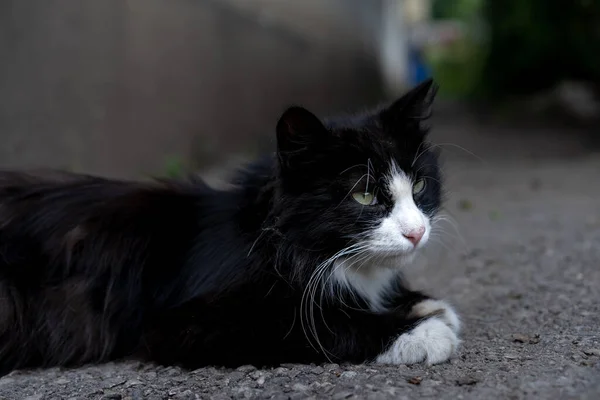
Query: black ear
[(412, 108), (297, 130)]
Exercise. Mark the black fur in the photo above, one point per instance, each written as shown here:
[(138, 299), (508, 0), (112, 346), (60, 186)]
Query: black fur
[(93, 269)]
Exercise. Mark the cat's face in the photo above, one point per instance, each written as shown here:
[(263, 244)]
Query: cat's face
[(362, 188)]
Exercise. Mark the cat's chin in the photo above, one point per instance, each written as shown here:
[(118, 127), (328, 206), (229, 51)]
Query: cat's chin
[(383, 260), (395, 261)]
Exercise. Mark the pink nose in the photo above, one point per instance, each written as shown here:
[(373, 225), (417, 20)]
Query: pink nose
[(415, 235)]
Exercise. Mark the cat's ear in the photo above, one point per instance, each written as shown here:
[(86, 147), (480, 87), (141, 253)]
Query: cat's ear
[(297, 130), (414, 107)]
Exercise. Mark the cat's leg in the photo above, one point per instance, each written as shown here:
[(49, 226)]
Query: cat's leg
[(433, 338)]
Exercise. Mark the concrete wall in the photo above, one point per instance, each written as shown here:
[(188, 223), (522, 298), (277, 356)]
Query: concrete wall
[(114, 87)]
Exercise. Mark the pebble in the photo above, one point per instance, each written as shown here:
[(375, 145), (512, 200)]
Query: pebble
[(133, 382), (300, 387), (112, 396), (150, 375), (331, 367), (246, 368), (592, 352), (317, 370), (256, 374), (466, 381), (523, 338), (236, 376), (280, 371), (415, 380), (348, 375)]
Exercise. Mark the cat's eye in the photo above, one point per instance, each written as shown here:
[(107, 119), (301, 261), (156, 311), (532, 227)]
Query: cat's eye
[(419, 186), (365, 198)]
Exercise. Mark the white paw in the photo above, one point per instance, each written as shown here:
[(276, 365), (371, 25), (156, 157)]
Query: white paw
[(433, 341)]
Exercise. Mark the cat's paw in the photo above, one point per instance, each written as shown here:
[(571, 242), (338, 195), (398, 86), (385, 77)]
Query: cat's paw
[(433, 341)]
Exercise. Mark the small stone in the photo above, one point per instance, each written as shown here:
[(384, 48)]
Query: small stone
[(150, 375), (300, 387), (281, 371), (116, 383), (133, 382), (592, 352), (518, 337), (236, 376), (62, 381), (170, 371), (522, 338), (331, 367), (246, 368), (466, 381), (112, 396), (511, 357), (348, 375), (317, 370), (415, 380), (256, 374), (342, 395)]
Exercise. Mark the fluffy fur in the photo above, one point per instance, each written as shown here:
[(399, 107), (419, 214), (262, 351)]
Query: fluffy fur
[(291, 265)]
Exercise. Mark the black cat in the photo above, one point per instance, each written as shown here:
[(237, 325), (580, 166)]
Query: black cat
[(300, 262)]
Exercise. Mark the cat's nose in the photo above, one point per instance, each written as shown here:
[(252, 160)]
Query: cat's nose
[(415, 235)]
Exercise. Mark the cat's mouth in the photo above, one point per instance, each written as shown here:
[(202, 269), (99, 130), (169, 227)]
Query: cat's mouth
[(393, 252)]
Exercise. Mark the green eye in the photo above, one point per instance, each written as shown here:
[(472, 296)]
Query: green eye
[(365, 198), (419, 186)]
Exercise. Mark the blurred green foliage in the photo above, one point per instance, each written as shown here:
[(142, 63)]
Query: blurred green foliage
[(174, 167), (458, 65), (535, 44), (518, 47)]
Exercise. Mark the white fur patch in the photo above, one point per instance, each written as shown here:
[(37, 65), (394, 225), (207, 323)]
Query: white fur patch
[(405, 217), (433, 341), (368, 282)]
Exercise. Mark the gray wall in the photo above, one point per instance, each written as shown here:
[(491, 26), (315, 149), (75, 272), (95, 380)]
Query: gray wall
[(113, 87)]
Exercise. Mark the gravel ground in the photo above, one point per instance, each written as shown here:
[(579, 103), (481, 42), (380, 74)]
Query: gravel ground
[(520, 261)]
